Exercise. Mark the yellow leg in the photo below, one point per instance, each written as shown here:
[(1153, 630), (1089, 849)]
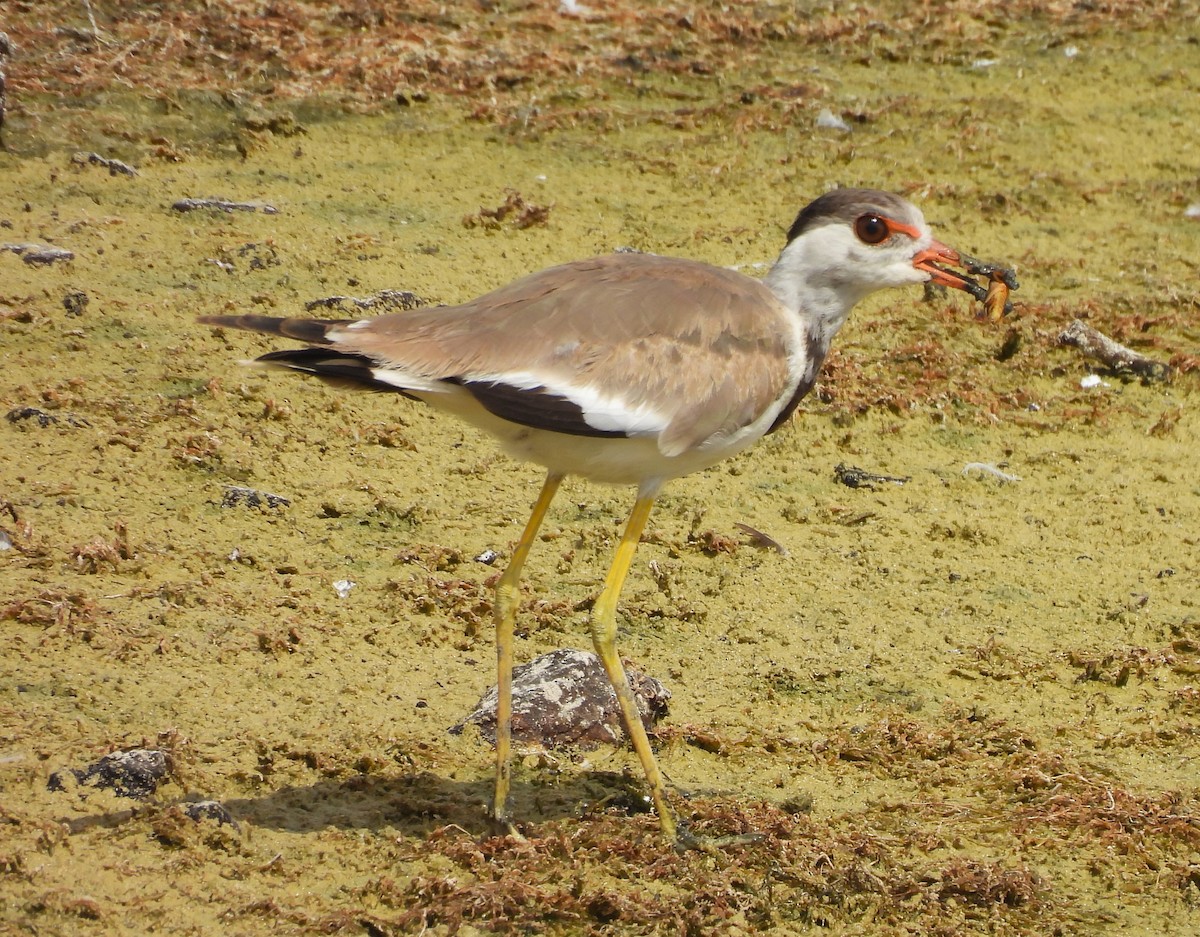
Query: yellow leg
[(508, 598), (604, 636)]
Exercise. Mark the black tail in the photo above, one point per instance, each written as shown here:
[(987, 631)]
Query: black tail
[(342, 369)]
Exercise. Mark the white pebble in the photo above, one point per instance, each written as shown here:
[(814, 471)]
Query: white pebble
[(1090, 380), (343, 586), (828, 120), (988, 469)]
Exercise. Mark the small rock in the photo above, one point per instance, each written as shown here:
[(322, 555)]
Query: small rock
[(114, 166), (210, 810), (222, 204), (564, 699), (383, 301), (43, 418), (252, 498), (135, 773), (828, 120), (75, 302), (39, 254)]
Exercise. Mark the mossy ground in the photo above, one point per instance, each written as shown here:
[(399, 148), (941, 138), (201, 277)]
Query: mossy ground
[(958, 706)]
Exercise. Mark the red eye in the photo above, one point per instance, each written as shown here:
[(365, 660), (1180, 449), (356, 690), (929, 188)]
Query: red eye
[(871, 229)]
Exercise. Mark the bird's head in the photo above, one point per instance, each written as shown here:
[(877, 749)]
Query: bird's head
[(851, 242)]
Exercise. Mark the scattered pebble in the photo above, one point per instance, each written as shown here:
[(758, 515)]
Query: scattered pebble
[(985, 468), (1091, 380), (487, 557), (343, 586), (5, 540), (251, 255), (221, 204), (1071, 51), (383, 301), (75, 302), (39, 254), (828, 120), (114, 166), (564, 698), (43, 418), (135, 773), (1192, 211), (252, 498), (984, 63), (209, 810)]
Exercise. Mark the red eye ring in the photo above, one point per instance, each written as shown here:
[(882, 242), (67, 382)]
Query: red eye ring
[(872, 229)]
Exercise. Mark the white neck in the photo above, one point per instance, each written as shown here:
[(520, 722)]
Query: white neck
[(825, 271), (808, 285)]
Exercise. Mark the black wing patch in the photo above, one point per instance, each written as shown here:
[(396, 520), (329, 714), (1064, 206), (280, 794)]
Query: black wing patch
[(334, 367), (784, 414), (534, 407), (815, 357)]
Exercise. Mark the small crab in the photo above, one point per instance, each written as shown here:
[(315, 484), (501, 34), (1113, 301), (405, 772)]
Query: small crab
[(994, 296)]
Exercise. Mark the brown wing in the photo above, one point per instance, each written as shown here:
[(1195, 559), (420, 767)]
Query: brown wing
[(639, 344)]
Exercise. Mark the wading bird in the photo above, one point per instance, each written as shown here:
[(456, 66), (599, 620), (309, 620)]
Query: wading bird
[(629, 369)]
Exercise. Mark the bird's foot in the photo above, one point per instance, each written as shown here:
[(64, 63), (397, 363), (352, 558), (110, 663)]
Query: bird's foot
[(505, 827)]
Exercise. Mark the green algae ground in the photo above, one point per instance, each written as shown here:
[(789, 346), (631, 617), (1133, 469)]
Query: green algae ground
[(961, 705)]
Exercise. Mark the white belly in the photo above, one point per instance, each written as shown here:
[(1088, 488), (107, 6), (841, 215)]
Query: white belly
[(614, 460)]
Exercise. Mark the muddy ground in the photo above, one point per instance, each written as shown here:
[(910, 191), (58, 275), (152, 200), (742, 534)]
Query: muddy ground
[(965, 704)]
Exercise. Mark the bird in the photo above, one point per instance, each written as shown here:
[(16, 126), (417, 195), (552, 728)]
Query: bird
[(628, 369)]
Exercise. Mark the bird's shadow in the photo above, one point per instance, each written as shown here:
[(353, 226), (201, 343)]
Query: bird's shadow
[(419, 803), (414, 804)]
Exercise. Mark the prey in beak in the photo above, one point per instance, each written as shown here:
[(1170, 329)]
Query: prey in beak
[(999, 280)]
